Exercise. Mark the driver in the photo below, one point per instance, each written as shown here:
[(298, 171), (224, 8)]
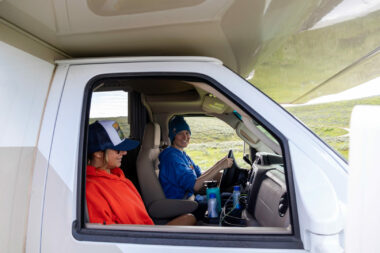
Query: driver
[(179, 176)]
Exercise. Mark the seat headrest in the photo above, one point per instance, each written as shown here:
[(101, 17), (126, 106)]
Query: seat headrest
[(152, 136)]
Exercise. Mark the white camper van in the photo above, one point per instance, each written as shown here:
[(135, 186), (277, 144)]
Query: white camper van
[(291, 167), (293, 184)]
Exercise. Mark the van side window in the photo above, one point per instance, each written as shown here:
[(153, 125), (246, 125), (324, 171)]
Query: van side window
[(220, 128), (111, 105)]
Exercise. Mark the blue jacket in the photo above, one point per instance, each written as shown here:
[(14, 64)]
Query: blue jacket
[(178, 173)]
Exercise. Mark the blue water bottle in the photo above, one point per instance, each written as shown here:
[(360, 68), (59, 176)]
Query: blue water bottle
[(212, 212), (236, 197), (212, 187)]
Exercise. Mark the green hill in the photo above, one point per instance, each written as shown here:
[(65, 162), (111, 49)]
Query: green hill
[(306, 59), (331, 121)]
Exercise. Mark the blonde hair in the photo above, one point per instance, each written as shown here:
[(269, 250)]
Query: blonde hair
[(105, 158)]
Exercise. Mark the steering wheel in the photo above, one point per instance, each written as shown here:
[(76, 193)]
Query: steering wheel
[(229, 175)]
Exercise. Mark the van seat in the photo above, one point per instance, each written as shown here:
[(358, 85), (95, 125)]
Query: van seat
[(158, 206)]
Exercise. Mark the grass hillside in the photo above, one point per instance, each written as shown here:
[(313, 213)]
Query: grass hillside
[(211, 139), (331, 121), (304, 60)]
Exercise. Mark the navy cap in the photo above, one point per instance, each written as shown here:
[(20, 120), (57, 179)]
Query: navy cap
[(176, 125), (106, 134)]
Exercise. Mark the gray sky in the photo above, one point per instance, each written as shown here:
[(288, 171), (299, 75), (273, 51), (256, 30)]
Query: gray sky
[(109, 104)]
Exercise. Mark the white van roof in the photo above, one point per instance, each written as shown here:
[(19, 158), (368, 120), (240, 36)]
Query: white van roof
[(140, 59)]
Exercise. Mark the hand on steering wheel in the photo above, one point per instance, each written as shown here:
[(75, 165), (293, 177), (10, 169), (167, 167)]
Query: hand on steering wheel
[(229, 174), (225, 163)]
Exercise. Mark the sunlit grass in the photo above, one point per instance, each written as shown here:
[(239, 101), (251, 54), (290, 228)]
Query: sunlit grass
[(207, 154), (331, 121), (304, 60), (211, 139)]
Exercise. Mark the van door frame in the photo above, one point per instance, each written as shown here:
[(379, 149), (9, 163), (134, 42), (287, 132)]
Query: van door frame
[(291, 241)]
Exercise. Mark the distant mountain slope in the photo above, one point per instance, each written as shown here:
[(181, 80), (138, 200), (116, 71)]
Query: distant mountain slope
[(308, 58), (331, 121)]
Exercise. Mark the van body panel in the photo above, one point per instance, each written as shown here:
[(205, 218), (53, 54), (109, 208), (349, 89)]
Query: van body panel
[(139, 59), (42, 160), (320, 211), (24, 41), (33, 238), (23, 95), (15, 182)]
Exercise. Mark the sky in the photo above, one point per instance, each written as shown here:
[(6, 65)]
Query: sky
[(109, 104)]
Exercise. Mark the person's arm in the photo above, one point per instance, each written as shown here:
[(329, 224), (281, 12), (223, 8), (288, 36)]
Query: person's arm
[(183, 220), (211, 173), (98, 208)]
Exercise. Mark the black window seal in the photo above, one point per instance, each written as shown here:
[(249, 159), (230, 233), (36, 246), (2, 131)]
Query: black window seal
[(271, 241)]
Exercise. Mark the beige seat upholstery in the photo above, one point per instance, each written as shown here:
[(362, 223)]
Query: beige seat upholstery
[(147, 170)]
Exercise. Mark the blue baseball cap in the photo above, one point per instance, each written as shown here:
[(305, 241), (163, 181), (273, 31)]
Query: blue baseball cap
[(106, 134), (176, 125)]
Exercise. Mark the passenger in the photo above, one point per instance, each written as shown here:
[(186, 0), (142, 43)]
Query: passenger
[(179, 176), (111, 197)]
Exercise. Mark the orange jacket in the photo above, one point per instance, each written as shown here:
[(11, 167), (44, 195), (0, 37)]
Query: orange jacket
[(112, 198)]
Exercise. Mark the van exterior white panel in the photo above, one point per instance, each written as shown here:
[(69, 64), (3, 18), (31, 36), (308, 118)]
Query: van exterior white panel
[(139, 59), (22, 96), (16, 174), (24, 86), (42, 157)]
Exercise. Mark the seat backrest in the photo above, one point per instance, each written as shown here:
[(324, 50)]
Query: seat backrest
[(147, 165)]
